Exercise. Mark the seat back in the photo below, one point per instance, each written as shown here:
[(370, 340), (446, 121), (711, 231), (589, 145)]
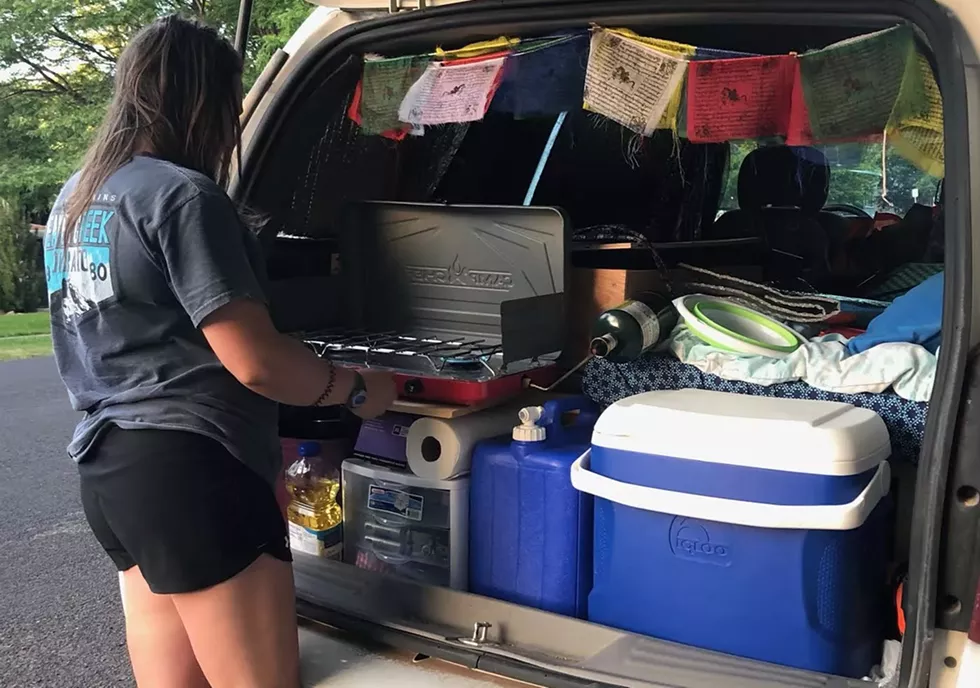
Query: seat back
[(781, 190)]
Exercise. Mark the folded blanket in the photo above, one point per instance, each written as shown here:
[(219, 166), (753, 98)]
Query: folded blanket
[(823, 362)]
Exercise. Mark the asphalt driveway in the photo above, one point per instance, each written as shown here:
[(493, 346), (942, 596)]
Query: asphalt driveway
[(61, 622)]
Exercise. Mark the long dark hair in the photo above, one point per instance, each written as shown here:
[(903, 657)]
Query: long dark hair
[(177, 96)]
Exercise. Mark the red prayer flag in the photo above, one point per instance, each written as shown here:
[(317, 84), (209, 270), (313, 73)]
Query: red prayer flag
[(741, 98)]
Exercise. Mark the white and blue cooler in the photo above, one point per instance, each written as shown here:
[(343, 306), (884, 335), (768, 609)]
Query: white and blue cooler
[(753, 526)]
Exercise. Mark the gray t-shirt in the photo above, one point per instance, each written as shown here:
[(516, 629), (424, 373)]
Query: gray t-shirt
[(159, 249)]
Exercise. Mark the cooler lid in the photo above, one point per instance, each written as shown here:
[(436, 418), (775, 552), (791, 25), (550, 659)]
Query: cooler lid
[(796, 435)]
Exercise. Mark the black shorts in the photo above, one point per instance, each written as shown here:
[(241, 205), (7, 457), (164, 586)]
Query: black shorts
[(179, 506)]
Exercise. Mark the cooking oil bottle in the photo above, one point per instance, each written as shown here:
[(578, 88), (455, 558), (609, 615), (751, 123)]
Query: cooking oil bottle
[(314, 513)]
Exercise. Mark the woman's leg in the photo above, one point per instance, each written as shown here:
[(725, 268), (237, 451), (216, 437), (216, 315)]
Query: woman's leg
[(209, 538), (243, 631), (159, 649)]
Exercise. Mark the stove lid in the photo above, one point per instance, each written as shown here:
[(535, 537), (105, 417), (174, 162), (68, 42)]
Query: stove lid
[(449, 270)]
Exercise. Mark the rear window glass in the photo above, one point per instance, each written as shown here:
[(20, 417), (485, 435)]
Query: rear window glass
[(857, 178)]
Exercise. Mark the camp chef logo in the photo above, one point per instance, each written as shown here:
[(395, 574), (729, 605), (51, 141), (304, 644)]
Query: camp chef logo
[(690, 539), (457, 275)]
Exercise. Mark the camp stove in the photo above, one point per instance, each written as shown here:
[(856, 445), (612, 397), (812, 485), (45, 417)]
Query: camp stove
[(452, 370), (464, 304)]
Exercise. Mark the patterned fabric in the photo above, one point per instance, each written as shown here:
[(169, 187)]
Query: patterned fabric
[(607, 383)]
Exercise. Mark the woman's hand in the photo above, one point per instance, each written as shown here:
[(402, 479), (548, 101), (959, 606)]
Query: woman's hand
[(380, 392)]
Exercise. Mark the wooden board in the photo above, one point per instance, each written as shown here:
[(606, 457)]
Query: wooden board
[(530, 397), (436, 410)]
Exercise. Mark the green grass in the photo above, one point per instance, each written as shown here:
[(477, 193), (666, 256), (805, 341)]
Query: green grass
[(24, 335), (21, 324), (15, 348)]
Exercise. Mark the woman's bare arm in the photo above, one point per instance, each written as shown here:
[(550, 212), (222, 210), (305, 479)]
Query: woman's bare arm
[(269, 363)]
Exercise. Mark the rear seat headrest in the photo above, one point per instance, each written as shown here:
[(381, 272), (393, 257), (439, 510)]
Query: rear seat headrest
[(784, 176)]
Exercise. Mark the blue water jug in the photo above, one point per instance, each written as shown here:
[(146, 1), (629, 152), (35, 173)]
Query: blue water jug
[(530, 530)]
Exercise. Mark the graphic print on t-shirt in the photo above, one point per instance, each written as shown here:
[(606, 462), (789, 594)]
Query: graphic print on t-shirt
[(82, 269)]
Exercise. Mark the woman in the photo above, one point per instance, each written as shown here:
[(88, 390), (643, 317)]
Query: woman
[(163, 339)]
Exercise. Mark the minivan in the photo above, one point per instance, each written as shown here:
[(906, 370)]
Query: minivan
[(304, 162)]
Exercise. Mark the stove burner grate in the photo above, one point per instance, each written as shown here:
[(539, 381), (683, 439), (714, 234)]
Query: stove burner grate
[(435, 355)]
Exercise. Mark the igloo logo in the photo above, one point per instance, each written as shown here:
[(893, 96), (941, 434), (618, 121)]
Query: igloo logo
[(691, 540)]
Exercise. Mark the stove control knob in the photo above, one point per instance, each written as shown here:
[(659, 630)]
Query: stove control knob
[(413, 387)]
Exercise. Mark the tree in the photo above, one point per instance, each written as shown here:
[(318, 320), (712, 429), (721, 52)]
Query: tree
[(21, 273), (856, 178), (56, 64)]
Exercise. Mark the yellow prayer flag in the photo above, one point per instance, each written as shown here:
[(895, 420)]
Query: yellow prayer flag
[(919, 137), (495, 45)]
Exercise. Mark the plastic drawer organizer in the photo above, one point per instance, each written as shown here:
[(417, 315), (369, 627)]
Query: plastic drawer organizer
[(404, 525)]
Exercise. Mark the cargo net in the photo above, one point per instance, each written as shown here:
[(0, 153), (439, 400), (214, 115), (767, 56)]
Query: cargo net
[(458, 358), (334, 164)]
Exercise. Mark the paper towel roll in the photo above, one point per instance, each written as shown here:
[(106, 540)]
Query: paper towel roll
[(442, 449)]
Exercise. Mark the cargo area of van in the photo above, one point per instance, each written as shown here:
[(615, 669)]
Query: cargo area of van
[(663, 293)]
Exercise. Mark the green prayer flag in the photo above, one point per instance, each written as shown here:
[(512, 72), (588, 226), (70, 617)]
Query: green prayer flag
[(856, 87), (383, 87)]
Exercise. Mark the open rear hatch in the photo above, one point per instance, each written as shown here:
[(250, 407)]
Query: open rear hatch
[(306, 166)]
